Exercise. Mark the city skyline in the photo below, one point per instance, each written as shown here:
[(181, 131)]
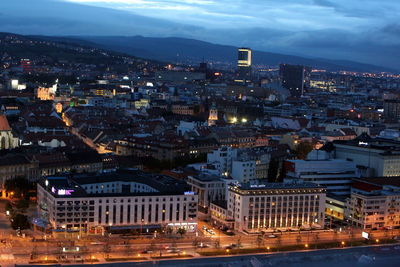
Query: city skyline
[(128, 134)]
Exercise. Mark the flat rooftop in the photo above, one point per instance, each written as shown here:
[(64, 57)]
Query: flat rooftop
[(72, 185), (289, 185)]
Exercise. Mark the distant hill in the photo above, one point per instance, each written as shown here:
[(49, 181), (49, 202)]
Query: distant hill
[(112, 49), (60, 49), (193, 51)]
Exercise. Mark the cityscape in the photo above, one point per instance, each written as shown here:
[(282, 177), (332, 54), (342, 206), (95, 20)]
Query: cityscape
[(167, 150)]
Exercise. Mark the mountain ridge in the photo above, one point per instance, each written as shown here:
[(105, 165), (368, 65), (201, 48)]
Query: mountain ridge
[(192, 51), (187, 49)]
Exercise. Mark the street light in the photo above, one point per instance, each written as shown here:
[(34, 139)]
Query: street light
[(306, 245), (377, 240)]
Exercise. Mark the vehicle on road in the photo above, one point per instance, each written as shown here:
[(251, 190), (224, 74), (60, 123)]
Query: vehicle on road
[(173, 250), (203, 245), (231, 246)]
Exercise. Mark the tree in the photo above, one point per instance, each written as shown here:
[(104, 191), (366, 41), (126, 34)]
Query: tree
[(22, 204), (239, 242), (278, 240), (127, 248), (195, 242), (168, 230), (273, 170), (260, 240), (303, 149), (8, 207), (20, 186), (217, 244), (20, 221), (107, 250), (181, 231), (298, 239)]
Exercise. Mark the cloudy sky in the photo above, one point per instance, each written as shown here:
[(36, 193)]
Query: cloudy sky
[(352, 15), (347, 29), (361, 30)]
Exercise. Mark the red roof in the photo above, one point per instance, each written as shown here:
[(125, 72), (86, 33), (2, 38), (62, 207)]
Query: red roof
[(4, 126), (366, 186)]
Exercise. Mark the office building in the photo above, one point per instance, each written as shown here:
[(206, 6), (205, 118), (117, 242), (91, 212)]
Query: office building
[(127, 198), (256, 208), (244, 65), (391, 109), (375, 157), (292, 78), (334, 174)]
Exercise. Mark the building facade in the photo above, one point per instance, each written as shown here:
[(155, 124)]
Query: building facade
[(208, 188), (256, 208), (126, 198), (378, 156), (334, 174), (374, 203)]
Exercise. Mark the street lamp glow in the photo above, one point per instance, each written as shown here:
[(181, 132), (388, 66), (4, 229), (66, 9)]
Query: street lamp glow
[(306, 245), (234, 120), (244, 120), (377, 240)]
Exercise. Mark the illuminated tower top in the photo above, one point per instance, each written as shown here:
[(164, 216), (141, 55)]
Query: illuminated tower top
[(244, 57)]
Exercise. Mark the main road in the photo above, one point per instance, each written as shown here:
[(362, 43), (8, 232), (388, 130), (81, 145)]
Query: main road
[(383, 256)]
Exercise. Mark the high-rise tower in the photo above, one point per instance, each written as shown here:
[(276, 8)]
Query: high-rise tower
[(244, 64)]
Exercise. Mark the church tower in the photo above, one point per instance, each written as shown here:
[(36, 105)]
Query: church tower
[(213, 115), (7, 140)]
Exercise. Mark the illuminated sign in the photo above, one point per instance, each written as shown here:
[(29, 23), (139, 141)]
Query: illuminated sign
[(365, 235), (257, 185), (64, 192), (189, 193)]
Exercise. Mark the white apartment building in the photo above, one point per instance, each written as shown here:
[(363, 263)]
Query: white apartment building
[(222, 159), (244, 170), (243, 165), (270, 206), (374, 203), (334, 174), (127, 198)]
